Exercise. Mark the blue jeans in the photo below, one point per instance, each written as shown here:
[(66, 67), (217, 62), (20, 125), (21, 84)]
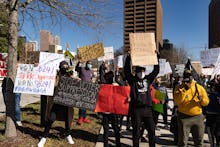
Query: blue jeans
[(17, 107), (82, 113)]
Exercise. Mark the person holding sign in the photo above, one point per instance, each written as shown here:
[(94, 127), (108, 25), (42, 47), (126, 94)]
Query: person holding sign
[(141, 101), (85, 74), (108, 117), (57, 111), (161, 94)]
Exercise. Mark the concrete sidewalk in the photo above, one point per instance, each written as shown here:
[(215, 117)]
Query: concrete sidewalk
[(164, 137)]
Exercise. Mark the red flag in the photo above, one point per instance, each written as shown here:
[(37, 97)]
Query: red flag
[(113, 99)]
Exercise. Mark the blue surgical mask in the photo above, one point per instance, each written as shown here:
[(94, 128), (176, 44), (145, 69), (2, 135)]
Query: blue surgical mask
[(89, 66)]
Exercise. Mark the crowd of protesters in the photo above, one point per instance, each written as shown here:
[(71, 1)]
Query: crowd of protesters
[(193, 102)]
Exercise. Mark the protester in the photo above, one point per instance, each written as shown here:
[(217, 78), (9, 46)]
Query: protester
[(110, 117), (102, 71), (213, 116), (173, 121), (17, 97), (119, 79), (85, 74), (158, 85), (58, 112), (154, 101), (141, 101), (190, 98)]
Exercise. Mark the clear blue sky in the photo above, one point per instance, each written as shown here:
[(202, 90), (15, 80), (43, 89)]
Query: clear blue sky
[(185, 24)]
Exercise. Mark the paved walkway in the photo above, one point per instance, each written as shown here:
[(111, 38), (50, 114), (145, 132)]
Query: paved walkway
[(163, 136)]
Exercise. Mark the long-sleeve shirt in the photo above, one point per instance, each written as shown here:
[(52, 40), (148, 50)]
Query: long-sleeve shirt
[(188, 99), (84, 74), (133, 80)]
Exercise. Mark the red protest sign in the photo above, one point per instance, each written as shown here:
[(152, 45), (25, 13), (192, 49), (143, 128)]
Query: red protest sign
[(113, 99)]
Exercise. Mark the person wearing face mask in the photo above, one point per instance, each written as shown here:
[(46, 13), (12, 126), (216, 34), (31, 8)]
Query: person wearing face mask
[(56, 111), (141, 101), (85, 74), (102, 72), (190, 98)]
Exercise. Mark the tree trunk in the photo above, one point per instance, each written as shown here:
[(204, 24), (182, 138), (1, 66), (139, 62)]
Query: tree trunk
[(10, 128)]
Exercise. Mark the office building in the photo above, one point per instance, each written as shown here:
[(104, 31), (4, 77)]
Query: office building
[(214, 23), (142, 16), (46, 39)]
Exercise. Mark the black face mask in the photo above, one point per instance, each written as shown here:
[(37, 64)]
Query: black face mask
[(63, 70)]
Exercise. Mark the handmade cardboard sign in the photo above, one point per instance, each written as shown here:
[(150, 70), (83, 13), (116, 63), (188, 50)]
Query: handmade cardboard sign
[(90, 52), (143, 49)]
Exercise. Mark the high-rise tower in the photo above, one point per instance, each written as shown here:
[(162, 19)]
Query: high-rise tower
[(214, 24), (46, 39), (142, 16)]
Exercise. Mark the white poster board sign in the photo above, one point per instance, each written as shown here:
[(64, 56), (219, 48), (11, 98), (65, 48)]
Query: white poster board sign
[(108, 54), (209, 57), (164, 68), (216, 70), (119, 61), (41, 79), (143, 47), (207, 71)]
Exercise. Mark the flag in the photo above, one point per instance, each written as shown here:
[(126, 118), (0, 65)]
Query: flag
[(196, 77)]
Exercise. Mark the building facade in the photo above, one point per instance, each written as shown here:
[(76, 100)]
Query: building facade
[(214, 23), (142, 16), (46, 39)]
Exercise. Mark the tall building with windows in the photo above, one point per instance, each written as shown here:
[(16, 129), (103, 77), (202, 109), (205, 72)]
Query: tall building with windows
[(142, 16), (214, 23), (46, 39)]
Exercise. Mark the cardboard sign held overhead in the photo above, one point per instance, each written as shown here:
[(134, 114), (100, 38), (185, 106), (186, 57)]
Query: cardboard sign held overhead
[(91, 52), (143, 47)]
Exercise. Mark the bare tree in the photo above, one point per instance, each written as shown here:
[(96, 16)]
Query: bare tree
[(84, 13), (175, 55)]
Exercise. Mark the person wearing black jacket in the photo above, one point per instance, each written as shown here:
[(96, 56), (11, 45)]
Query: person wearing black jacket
[(141, 101)]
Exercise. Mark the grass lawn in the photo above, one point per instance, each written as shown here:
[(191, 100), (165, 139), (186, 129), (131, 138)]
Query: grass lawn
[(84, 135)]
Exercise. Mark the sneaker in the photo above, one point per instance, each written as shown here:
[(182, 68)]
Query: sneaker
[(42, 142), (86, 120), (80, 121), (19, 123), (70, 139)]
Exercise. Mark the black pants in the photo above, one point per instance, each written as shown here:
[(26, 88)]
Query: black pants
[(143, 115), (56, 109), (114, 122)]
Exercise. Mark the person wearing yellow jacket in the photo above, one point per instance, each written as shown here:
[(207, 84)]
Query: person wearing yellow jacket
[(190, 98)]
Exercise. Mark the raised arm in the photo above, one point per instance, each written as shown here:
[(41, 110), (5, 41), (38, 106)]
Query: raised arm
[(127, 69)]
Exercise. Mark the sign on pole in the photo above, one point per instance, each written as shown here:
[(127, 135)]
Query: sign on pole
[(143, 49)]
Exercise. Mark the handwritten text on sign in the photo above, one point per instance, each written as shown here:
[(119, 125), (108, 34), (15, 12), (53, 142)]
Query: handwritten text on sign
[(76, 93), (91, 52), (35, 80)]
